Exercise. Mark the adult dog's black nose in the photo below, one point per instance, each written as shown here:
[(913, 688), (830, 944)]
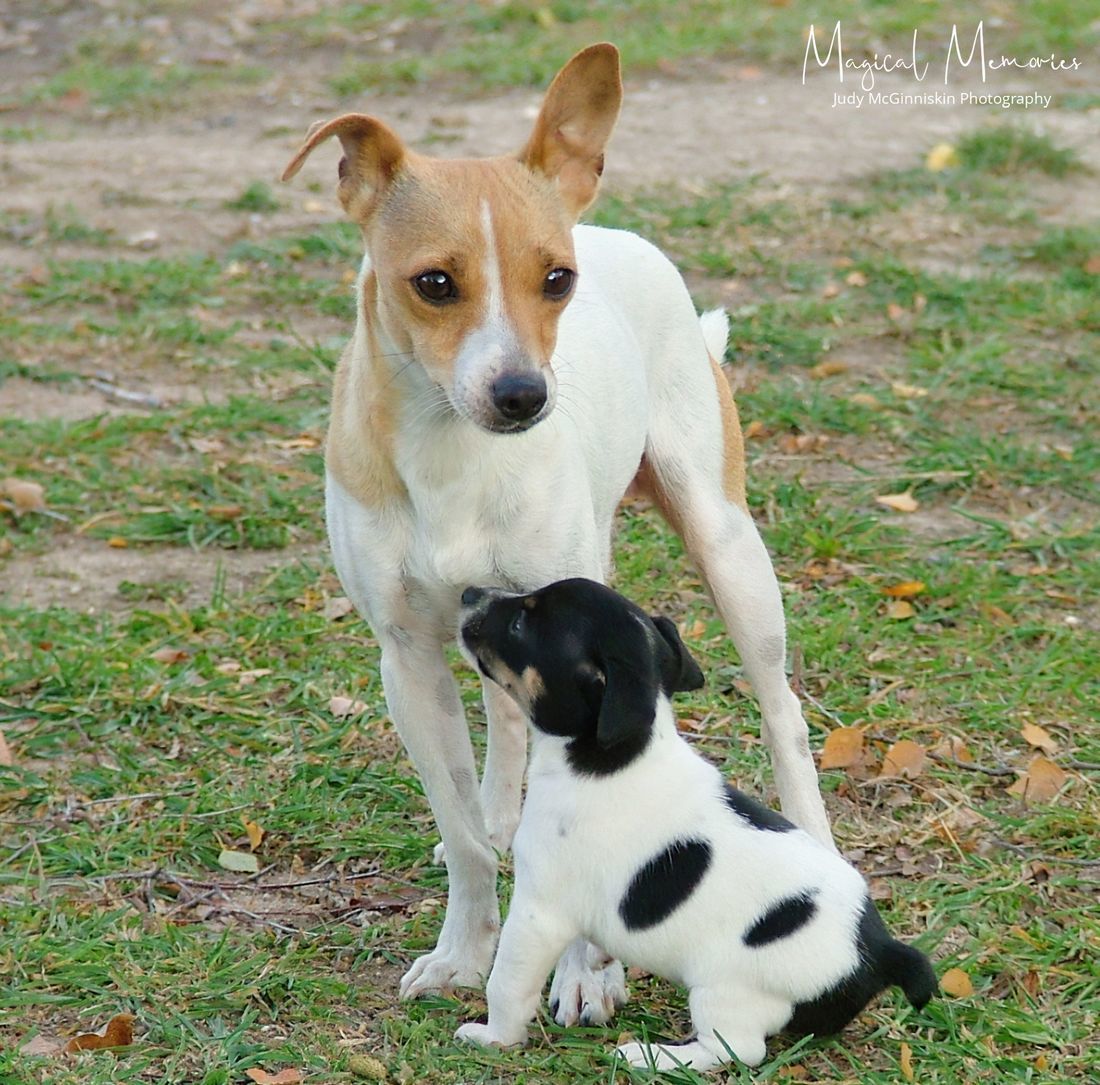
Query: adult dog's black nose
[(519, 396), (472, 595)]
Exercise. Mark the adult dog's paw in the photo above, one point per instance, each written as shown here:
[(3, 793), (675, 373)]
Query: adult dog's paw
[(588, 987), (442, 971)]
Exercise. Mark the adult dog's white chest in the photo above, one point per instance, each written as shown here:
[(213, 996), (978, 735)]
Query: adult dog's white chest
[(482, 508)]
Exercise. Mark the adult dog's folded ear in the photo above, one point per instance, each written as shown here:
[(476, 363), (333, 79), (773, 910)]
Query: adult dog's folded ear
[(373, 154), (679, 671)]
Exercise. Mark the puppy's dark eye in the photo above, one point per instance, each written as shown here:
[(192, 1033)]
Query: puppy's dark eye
[(558, 283), (435, 286), (516, 628)]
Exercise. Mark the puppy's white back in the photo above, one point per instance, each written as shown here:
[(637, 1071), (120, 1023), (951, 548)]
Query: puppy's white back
[(584, 839)]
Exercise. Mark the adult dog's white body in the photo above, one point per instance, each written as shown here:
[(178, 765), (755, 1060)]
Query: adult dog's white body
[(458, 302)]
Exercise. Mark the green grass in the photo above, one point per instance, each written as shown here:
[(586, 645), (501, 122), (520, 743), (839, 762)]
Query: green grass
[(530, 38), (256, 197), (1013, 149), (133, 772)]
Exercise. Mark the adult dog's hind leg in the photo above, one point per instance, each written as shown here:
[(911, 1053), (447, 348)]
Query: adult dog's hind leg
[(694, 471)]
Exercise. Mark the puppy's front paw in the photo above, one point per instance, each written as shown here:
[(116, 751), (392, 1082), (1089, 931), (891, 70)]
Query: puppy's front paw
[(483, 1036)]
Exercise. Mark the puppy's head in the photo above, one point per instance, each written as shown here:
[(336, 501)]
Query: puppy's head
[(583, 662), (472, 260)]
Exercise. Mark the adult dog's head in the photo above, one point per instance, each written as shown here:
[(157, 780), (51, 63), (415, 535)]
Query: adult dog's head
[(471, 260), (584, 663)]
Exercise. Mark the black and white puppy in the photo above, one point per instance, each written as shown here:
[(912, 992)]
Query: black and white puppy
[(632, 840)]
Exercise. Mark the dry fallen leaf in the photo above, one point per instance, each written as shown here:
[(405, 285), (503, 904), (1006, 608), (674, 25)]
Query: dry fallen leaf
[(905, 758), (1039, 737), (41, 1045), (169, 655), (118, 1033), (283, 1077), (954, 749), (830, 290), (899, 610), (795, 1071), (24, 496), (904, 502), (1042, 781), (797, 444), (829, 368), (956, 983), (905, 1057), (942, 157), (855, 278), (6, 759), (337, 607), (907, 391), (1092, 264), (843, 748), (243, 862), (342, 707), (255, 833), (755, 429), (907, 589), (896, 312)]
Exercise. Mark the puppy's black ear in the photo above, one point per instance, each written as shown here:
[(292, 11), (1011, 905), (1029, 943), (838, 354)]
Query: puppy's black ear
[(631, 685), (678, 670)]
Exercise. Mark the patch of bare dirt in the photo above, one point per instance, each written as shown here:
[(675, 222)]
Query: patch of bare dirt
[(86, 574)]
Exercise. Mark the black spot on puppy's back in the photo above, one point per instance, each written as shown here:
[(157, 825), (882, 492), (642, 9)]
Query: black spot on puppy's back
[(756, 813), (664, 883), (781, 920)]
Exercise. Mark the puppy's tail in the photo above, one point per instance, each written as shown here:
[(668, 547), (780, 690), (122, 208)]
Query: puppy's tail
[(911, 970), (716, 331)]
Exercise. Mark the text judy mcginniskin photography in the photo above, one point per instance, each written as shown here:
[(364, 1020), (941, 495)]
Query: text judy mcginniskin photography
[(956, 59)]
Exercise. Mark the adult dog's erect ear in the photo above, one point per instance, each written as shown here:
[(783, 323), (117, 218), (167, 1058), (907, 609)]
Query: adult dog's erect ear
[(575, 123), (631, 686), (372, 156), (678, 670)]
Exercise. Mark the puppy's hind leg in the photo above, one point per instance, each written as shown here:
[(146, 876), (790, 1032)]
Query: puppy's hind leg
[(730, 1023)]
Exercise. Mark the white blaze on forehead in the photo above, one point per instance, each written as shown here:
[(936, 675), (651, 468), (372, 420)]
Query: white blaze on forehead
[(494, 296)]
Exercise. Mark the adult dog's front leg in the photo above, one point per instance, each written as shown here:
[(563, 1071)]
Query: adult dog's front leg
[(505, 758), (423, 701)]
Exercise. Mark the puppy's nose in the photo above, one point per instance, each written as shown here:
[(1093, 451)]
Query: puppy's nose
[(471, 596), (519, 396)]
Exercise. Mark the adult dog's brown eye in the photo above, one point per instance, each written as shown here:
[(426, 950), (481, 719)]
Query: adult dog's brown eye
[(558, 283), (435, 286)]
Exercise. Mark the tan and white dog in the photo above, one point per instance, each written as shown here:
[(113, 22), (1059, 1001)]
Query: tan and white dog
[(511, 373)]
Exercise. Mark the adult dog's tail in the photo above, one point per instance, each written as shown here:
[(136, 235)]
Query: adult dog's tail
[(716, 331)]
